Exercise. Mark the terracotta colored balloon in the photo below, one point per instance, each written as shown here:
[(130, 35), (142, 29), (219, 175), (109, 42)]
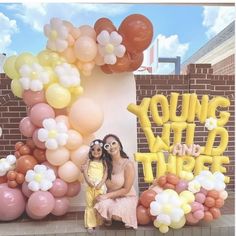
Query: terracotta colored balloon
[(68, 172), (147, 197), (80, 155), (106, 69), (18, 145), (11, 175), (137, 33), (27, 128), (213, 193), (104, 24), (64, 119), (41, 203), (3, 179), (169, 186), (20, 178), (30, 144), (172, 179), (162, 181), (73, 189), (219, 202), (61, 206), (37, 142), (86, 116), (136, 60), (24, 163), (58, 156), (31, 98), (191, 219), (143, 217), (12, 184), (121, 65), (209, 202), (25, 190), (59, 188), (12, 203), (39, 155), (215, 212), (24, 150), (17, 154), (74, 141), (39, 112), (208, 216), (59, 112)]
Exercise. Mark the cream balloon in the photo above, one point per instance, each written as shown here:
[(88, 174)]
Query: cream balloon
[(85, 116), (74, 140), (80, 155), (58, 157), (16, 88), (64, 119), (25, 58), (9, 67), (68, 172)]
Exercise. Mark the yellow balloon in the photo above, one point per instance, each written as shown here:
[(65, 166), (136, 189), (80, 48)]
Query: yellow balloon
[(179, 224), (187, 196), (44, 58), (9, 68), (25, 58), (52, 77), (156, 223), (186, 208), (164, 229), (58, 96), (16, 88)]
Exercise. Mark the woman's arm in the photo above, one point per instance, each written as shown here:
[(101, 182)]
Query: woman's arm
[(129, 174), (104, 178)]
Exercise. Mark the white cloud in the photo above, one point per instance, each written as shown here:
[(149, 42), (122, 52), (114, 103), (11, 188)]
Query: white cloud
[(216, 19), (39, 14), (7, 28)]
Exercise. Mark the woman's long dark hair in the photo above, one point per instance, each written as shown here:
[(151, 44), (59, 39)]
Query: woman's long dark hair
[(108, 156)]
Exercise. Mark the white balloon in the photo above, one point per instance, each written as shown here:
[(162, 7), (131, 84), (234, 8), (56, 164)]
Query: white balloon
[(51, 144), (33, 186)]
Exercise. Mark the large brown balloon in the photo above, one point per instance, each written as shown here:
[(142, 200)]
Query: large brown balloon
[(39, 155), (25, 163), (122, 64), (104, 24), (3, 179), (106, 69), (147, 197), (137, 33), (143, 217), (136, 60)]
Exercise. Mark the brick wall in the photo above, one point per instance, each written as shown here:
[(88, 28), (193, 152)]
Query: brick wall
[(225, 67), (200, 80)]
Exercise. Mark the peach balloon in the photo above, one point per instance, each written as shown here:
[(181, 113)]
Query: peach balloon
[(85, 48), (58, 157), (68, 172), (69, 55), (80, 155), (64, 119), (87, 30), (74, 140), (88, 139), (85, 116)]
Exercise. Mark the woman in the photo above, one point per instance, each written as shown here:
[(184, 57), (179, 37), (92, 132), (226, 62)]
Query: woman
[(120, 201)]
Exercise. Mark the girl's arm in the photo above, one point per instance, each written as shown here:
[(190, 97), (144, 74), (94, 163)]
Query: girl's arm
[(129, 174), (86, 178), (104, 178)]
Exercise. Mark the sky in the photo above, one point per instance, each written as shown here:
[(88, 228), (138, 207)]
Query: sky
[(181, 29)]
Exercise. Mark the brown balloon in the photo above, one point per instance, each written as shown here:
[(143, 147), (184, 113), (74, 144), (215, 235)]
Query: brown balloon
[(12, 183), (104, 24), (30, 144), (39, 155), (11, 175), (3, 179), (24, 150), (17, 154), (147, 197), (143, 217), (136, 60), (20, 178), (137, 33), (106, 69), (18, 145), (25, 163), (122, 64)]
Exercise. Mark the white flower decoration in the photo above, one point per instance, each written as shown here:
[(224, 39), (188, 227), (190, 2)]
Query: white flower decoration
[(110, 47), (68, 75), (211, 123), (167, 207), (211, 181), (54, 134), (0, 132), (41, 178), (57, 34), (7, 164), (33, 77), (194, 186)]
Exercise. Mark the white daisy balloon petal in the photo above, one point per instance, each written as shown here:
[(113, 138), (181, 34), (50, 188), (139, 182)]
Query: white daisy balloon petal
[(7, 164)]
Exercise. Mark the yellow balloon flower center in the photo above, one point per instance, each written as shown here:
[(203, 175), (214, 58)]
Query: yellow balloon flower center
[(38, 178), (109, 48), (53, 34), (2, 160), (167, 209), (33, 75), (52, 133)]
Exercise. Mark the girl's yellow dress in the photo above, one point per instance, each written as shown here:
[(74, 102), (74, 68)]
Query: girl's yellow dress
[(95, 174)]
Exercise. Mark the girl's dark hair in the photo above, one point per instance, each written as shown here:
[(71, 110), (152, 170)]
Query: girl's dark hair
[(108, 156), (94, 142)]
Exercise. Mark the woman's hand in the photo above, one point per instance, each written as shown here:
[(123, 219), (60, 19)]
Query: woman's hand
[(101, 197)]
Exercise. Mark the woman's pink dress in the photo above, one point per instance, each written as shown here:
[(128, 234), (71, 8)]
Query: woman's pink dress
[(123, 207)]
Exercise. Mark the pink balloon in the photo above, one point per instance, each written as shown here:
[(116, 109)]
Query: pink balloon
[(73, 189), (31, 98), (54, 168), (195, 206), (26, 127), (59, 188), (12, 203), (181, 186), (200, 197), (25, 190), (204, 191), (61, 206), (31, 215), (85, 116), (199, 214), (37, 142), (39, 112), (191, 219), (41, 203)]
